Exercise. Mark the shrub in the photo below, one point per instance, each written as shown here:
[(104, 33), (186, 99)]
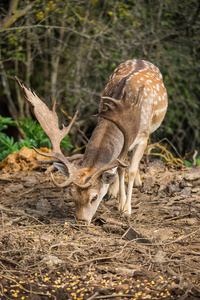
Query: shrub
[(34, 136)]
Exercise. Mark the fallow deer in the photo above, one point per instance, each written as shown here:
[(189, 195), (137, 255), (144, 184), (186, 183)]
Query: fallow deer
[(133, 105)]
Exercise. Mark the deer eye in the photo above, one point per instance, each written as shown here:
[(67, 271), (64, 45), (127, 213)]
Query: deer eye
[(94, 198)]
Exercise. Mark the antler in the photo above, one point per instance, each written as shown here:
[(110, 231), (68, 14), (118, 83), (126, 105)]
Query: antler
[(124, 114), (49, 121)]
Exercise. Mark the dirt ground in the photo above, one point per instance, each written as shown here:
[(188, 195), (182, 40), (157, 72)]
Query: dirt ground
[(44, 254)]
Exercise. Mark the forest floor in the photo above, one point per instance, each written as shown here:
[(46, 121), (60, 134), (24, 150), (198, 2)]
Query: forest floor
[(154, 254)]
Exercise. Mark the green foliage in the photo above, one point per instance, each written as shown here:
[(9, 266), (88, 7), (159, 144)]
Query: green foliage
[(189, 164), (65, 143), (4, 122), (73, 47), (7, 145), (33, 132)]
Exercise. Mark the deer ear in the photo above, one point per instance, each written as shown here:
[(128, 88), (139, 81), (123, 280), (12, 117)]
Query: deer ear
[(108, 177), (62, 168)]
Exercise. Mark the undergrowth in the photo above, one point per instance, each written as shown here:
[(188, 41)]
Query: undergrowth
[(34, 136)]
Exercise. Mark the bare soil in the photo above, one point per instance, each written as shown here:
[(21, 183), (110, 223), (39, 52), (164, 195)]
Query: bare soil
[(44, 254)]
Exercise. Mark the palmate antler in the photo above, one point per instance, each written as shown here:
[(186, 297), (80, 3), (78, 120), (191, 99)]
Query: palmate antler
[(123, 113), (49, 121)]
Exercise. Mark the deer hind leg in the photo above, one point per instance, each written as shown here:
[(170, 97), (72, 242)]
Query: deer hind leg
[(133, 173)]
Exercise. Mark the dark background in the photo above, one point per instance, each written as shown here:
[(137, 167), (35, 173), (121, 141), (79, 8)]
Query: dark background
[(66, 50)]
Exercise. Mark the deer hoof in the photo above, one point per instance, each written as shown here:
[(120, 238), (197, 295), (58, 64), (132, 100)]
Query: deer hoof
[(127, 211)]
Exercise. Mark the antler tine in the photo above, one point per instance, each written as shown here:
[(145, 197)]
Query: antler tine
[(121, 102), (63, 184), (49, 121), (139, 95), (115, 101)]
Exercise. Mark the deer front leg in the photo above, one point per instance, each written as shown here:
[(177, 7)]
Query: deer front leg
[(122, 192), (114, 188), (133, 173)]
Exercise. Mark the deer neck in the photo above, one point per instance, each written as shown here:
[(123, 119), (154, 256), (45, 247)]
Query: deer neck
[(104, 145)]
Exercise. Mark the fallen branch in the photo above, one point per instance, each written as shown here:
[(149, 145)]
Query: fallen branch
[(166, 154)]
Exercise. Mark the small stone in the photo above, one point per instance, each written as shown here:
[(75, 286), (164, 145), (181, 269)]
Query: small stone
[(43, 206), (186, 192), (172, 190), (148, 183), (192, 174), (51, 260)]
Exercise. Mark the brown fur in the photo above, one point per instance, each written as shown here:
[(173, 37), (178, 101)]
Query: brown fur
[(136, 108)]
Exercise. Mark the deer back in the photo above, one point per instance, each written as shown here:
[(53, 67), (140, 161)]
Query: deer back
[(154, 99)]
